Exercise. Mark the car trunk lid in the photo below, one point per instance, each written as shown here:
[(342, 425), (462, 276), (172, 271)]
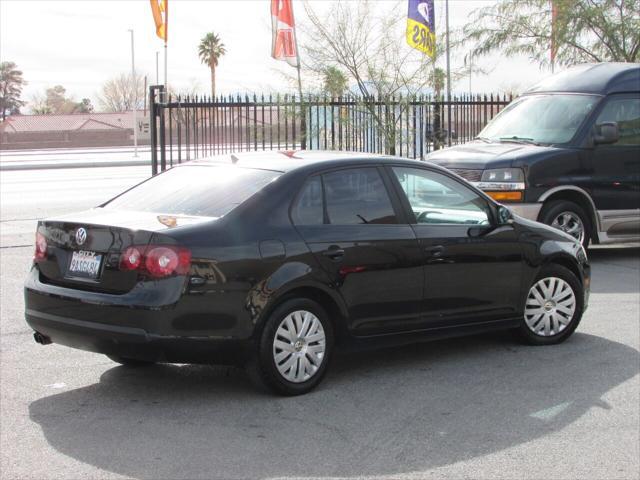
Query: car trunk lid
[(84, 250)]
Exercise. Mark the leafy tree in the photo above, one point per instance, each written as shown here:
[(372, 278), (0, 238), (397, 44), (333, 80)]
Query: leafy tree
[(56, 101), (121, 93), (210, 50), (84, 106), (11, 83), (584, 31)]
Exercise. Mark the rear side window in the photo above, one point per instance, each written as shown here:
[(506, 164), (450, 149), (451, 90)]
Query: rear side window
[(211, 191), (307, 209), (357, 196), (626, 113)]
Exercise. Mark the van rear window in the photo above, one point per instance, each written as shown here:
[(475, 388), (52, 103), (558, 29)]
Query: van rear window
[(210, 191)]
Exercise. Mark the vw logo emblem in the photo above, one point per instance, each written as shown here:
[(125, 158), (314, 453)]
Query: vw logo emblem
[(81, 236)]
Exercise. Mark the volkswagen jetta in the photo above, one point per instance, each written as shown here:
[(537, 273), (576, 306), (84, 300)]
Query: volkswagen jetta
[(271, 259)]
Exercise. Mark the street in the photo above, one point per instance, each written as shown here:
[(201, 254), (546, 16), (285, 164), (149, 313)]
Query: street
[(478, 407)]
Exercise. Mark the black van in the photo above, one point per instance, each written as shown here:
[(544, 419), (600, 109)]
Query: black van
[(565, 153)]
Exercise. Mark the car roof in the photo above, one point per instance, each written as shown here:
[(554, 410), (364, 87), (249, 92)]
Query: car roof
[(593, 78), (290, 160)]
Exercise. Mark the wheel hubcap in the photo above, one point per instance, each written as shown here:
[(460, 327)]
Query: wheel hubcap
[(550, 306), (299, 346), (570, 222)]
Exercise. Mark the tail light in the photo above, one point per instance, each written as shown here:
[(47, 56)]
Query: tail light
[(41, 248), (156, 260)]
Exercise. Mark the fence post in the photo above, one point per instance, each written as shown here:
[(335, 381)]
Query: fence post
[(153, 118), (162, 136), (303, 123)]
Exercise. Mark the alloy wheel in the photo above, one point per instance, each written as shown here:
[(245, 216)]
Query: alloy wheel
[(299, 346), (550, 307), (571, 223)]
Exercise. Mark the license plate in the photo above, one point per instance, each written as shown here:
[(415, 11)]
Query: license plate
[(85, 264)]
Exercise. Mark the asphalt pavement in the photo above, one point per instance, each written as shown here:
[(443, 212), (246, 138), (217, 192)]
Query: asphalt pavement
[(477, 407)]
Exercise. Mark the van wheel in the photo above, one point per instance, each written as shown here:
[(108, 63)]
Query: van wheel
[(294, 348), (130, 362), (568, 217), (553, 307)]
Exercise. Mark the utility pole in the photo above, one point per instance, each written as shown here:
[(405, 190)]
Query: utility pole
[(470, 69), (134, 85), (448, 76), (157, 70)]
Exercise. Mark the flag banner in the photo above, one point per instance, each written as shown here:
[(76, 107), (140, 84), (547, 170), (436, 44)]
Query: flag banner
[(283, 42), (160, 11), (421, 27)]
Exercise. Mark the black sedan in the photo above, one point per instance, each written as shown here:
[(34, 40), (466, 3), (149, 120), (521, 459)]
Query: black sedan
[(271, 259)]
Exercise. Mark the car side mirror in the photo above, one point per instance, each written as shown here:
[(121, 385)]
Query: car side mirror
[(606, 133), (505, 217)]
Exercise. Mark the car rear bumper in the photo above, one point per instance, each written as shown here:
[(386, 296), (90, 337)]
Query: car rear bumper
[(99, 323), (136, 343)]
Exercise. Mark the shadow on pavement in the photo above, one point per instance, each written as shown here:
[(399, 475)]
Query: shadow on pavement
[(377, 412), (623, 261)]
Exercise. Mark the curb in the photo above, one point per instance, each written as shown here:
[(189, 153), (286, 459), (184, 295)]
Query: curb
[(57, 165)]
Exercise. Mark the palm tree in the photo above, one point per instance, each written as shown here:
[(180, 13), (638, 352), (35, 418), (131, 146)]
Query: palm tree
[(335, 82), (210, 50)]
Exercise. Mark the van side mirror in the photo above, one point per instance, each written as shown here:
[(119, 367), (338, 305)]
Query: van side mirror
[(606, 133), (505, 217)]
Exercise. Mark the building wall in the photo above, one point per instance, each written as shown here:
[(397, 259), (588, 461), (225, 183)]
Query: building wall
[(67, 139)]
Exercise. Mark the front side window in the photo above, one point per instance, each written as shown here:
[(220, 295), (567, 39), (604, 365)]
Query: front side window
[(626, 113), (545, 119), (357, 196), (438, 199)]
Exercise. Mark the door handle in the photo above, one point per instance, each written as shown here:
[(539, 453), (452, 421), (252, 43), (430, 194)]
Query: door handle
[(436, 251), (334, 253)]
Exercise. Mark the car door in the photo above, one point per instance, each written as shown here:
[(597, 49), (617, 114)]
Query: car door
[(351, 221), (616, 168), (472, 266)]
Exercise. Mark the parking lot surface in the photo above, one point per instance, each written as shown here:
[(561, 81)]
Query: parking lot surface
[(477, 407)]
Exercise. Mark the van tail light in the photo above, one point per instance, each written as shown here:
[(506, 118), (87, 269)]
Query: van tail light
[(157, 261), (41, 248)]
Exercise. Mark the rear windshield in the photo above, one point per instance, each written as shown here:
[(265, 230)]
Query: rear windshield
[(209, 191)]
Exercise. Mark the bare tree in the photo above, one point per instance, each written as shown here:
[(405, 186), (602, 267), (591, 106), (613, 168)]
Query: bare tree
[(367, 42), (120, 93)]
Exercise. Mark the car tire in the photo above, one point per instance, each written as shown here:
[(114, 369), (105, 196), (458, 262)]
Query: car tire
[(552, 318), (288, 360), (130, 362), (558, 213)]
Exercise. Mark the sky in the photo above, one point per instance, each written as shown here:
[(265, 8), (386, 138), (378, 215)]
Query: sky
[(80, 44)]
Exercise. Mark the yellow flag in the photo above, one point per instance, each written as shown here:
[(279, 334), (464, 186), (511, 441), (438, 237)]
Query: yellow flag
[(421, 27), (160, 11)]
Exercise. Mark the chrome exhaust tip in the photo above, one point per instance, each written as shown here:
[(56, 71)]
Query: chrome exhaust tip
[(41, 339)]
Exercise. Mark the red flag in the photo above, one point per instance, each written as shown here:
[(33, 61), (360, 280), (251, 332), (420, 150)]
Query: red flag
[(283, 43)]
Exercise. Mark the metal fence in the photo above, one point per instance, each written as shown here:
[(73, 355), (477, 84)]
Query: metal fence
[(188, 128)]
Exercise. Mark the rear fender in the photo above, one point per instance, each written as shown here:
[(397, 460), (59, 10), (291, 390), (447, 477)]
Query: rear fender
[(292, 279)]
